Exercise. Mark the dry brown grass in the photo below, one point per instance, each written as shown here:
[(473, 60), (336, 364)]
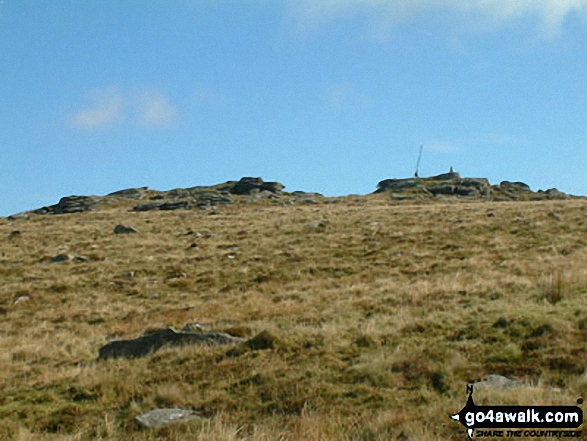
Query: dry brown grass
[(380, 317)]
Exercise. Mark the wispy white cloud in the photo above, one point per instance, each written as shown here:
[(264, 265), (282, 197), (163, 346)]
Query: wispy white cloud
[(155, 110), (111, 106), (384, 14), (105, 108), (345, 96)]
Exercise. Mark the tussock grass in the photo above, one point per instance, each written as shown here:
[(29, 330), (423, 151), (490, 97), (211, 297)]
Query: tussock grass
[(371, 324)]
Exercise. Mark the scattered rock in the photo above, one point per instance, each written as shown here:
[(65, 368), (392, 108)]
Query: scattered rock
[(63, 257), (160, 417), (153, 341), (22, 299), (317, 225), (14, 235), (498, 382), (555, 216), (124, 229), (96, 319), (196, 327)]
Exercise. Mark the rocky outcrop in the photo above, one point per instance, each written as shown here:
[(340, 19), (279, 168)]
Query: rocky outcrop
[(552, 194), (451, 185), (445, 186), (200, 199), (515, 186), (153, 341), (130, 193), (71, 204), (247, 186), (165, 206), (213, 198)]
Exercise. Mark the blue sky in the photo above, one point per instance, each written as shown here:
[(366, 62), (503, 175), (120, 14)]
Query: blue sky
[(321, 95)]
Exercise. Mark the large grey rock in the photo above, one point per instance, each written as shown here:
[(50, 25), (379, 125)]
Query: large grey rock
[(70, 204), (63, 257), (552, 194), (397, 184), (272, 187), (478, 183), (515, 186), (153, 341), (248, 186), (76, 204), (160, 417)]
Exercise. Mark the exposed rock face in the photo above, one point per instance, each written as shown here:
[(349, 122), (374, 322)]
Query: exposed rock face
[(445, 186), (213, 198), (451, 185), (130, 193), (552, 193), (71, 204), (165, 206), (247, 186), (200, 199), (151, 342), (516, 186)]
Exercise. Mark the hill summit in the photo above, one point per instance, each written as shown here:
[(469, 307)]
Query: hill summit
[(452, 186), (446, 186)]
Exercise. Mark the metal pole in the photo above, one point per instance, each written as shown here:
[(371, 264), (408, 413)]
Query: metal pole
[(418, 163)]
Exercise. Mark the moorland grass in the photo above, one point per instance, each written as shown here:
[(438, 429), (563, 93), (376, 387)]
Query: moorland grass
[(379, 317)]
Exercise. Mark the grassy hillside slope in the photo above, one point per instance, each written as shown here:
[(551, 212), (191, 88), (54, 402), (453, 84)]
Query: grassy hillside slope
[(379, 313)]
